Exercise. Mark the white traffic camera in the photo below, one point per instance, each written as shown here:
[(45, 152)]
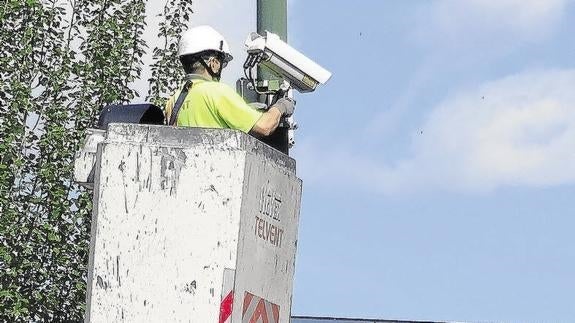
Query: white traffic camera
[(303, 74)]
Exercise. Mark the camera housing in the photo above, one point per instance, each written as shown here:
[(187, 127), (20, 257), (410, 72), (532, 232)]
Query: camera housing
[(303, 74)]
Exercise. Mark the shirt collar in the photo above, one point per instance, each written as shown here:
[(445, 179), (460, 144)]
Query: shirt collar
[(197, 77)]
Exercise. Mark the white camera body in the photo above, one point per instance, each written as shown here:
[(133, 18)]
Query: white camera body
[(303, 74)]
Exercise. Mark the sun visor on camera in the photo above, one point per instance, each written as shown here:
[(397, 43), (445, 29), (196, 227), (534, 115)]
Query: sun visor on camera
[(146, 113)]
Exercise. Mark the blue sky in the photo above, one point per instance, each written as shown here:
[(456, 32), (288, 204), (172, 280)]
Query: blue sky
[(438, 162)]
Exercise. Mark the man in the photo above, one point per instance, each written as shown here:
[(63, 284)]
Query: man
[(204, 53)]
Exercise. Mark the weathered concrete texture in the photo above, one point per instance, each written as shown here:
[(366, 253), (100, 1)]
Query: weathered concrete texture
[(268, 236), (193, 137), (86, 158), (175, 209)]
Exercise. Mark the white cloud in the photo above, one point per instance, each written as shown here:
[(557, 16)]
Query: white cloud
[(517, 131), (467, 40), (456, 22), (522, 15)]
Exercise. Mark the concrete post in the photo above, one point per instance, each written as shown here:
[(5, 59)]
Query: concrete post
[(190, 225)]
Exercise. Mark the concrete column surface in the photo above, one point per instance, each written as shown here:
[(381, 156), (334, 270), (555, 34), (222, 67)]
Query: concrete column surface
[(188, 222)]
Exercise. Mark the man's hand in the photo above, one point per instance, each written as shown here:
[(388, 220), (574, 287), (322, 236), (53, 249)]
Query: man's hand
[(270, 119), (286, 106)]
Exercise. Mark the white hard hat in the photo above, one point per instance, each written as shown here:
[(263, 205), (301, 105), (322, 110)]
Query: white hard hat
[(203, 38)]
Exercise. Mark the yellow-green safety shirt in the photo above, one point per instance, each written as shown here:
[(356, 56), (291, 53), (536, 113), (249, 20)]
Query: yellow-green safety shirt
[(211, 104)]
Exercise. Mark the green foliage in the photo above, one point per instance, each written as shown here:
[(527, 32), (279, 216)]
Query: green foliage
[(166, 69), (60, 63)]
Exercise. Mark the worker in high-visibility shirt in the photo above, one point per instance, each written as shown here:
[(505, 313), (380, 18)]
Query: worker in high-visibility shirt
[(208, 103)]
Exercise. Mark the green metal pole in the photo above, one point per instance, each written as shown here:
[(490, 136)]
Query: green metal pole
[(272, 16)]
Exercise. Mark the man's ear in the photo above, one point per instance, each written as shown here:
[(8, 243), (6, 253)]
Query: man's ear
[(219, 64), (211, 63)]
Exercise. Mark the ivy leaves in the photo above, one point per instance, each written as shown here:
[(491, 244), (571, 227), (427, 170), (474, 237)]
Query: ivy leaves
[(60, 63), (166, 69)]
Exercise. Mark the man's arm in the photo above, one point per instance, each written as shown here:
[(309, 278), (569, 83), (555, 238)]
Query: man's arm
[(237, 114), (268, 122)]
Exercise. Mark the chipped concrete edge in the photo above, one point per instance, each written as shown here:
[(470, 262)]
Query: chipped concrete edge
[(191, 137)]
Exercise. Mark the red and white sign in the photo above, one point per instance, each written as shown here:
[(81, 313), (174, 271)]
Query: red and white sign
[(227, 296), (259, 310)]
